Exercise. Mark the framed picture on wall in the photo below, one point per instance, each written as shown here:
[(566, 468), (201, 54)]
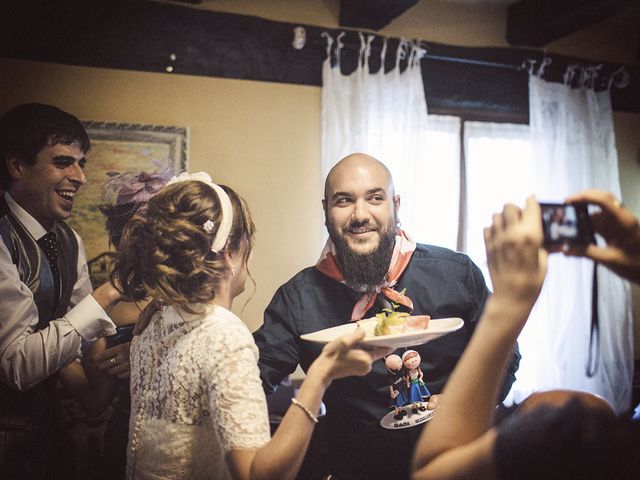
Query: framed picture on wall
[(120, 148)]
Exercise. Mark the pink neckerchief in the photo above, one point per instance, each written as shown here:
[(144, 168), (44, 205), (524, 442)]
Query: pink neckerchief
[(402, 252)]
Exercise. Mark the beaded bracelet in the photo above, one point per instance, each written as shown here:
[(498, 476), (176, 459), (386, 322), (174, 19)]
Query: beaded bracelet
[(305, 410)]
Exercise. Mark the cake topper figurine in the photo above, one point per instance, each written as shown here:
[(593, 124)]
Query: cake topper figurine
[(397, 386), (418, 391)]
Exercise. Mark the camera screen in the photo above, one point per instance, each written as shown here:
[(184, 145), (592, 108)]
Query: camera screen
[(566, 224)]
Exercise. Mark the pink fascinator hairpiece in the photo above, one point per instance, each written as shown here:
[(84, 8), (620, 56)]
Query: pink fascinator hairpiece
[(134, 187), (126, 194)]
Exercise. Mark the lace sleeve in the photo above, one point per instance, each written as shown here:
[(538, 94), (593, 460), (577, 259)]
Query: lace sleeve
[(236, 398)]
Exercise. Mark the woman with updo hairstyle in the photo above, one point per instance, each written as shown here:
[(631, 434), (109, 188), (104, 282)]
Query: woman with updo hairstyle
[(168, 254), (101, 380), (198, 408)]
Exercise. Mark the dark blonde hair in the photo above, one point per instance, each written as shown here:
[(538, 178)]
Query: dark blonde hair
[(166, 254)]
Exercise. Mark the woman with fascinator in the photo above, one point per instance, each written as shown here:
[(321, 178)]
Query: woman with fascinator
[(198, 409)]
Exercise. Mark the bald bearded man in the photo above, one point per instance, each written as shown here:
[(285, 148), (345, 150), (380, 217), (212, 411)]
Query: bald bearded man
[(367, 262)]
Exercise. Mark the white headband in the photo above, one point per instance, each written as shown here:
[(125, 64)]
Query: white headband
[(220, 240)]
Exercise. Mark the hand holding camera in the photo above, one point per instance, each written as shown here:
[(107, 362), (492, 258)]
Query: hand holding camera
[(618, 227), (517, 263)]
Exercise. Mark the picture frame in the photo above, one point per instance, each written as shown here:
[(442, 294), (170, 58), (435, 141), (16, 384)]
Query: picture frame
[(120, 148)]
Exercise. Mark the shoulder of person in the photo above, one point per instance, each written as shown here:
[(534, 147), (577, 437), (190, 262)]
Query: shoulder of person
[(4, 208), (592, 442), (435, 253), (309, 276), (226, 334), (222, 325)]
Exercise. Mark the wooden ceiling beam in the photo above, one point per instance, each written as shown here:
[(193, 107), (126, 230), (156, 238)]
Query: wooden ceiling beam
[(535, 23), (171, 39), (372, 14)]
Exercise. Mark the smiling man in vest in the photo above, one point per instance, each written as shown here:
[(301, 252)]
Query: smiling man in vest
[(47, 311)]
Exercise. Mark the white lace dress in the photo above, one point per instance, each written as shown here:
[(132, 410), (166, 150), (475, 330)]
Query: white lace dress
[(195, 395)]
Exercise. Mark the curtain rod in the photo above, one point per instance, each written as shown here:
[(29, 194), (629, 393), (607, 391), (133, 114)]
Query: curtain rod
[(484, 63), (300, 40), (527, 65)]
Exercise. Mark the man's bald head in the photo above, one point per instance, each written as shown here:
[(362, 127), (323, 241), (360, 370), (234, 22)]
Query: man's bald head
[(351, 165), (361, 217)]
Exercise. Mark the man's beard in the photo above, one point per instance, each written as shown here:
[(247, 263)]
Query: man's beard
[(364, 272)]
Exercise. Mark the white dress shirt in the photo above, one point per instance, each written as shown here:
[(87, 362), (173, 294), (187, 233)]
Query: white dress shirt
[(28, 357)]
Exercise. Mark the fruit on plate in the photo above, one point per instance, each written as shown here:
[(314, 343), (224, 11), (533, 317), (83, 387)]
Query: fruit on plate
[(399, 322), (390, 323), (374, 326)]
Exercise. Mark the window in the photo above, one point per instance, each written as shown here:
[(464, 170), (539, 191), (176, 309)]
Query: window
[(456, 192), (460, 193), (499, 169), (430, 190)]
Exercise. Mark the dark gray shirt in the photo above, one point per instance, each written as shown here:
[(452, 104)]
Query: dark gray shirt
[(440, 282)]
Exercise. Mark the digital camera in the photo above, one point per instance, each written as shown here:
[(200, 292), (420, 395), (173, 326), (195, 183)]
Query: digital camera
[(566, 224)]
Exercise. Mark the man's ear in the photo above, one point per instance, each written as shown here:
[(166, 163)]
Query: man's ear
[(14, 167), (396, 202), (324, 209)]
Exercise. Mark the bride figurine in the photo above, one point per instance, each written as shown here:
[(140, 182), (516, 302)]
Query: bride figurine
[(418, 391)]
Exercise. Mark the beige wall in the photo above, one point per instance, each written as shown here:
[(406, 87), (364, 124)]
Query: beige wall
[(261, 138), (627, 128), (264, 138), (432, 20)]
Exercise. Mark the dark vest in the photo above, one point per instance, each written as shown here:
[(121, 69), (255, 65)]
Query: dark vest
[(28, 418), (33, 267)]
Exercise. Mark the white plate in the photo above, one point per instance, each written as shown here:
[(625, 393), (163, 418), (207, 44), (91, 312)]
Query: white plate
[(437, 328)]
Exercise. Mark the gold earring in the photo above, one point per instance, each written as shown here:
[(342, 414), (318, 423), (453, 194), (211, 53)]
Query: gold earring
[(233, 270)]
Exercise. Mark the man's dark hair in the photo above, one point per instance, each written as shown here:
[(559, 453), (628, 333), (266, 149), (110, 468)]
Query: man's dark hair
[(28, 128)]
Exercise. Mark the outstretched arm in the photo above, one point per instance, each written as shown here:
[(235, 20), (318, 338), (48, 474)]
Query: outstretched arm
[(282, 457), (458, 441)]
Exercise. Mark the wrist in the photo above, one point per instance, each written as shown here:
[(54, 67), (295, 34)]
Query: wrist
[(307, 412), (319, 374), (106, 296), (515, 303), (506, 316)]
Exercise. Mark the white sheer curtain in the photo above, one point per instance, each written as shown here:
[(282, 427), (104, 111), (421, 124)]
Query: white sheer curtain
[(499, 169), (573, 144), (385, 115), (569, 146)]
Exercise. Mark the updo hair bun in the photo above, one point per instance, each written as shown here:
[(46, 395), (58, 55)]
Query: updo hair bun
[(167, 253)]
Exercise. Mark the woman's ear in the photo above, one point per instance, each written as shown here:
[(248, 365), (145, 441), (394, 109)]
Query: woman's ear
[(229, 261), (227, 258)]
